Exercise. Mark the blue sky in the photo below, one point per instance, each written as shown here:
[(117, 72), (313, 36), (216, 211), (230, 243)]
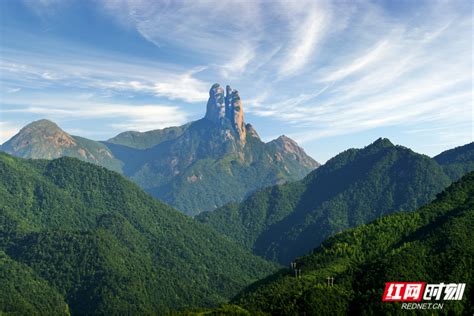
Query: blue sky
[(330, 74)]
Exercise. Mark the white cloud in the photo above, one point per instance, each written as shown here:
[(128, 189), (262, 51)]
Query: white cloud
[(175, 87), (48, 76), (215, 29), (29, 70), (311, 21), (12, 90), (412, 75), (183, 87), (238, 36), (375, 54), (238, 64), (131, 116)]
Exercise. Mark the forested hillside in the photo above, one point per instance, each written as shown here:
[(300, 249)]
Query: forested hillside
[(434, 244), (353, 188), (81, 235), (458, 161)]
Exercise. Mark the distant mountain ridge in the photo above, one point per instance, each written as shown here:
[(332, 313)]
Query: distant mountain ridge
[(353, 188), (195, 167), (458, 161)]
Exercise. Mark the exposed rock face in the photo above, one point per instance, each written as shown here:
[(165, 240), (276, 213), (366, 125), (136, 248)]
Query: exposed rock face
[(40, 139), (224, 110), (290, 148), (237, 113), (44, 139), (215, 105), (250, 130)]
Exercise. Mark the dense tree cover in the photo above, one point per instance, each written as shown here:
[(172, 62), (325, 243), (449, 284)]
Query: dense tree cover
[(225, 309), (458, 161), (433, 244), (354, 187), (23, 292), (244, 222), (206, 166), (96, 242)]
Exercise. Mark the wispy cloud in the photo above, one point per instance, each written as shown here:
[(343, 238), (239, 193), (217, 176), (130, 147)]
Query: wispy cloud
[(240, 36), (175, 87), (131, 116), (219, 30), (376, 53), (30, 70), (12, 90), (311, 69), (238, 64), (184, 87), (403, 77), (46, 8), (308, 23)]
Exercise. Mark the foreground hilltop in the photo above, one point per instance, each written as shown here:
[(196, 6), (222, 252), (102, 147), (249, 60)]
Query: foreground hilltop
[(195, 167), (433, 244)]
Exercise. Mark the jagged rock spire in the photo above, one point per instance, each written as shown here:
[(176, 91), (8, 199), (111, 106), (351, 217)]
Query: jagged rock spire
[(228, 109), (215, 105), (228, 92)]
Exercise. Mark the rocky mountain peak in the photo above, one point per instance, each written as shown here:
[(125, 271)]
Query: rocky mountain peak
[(225, 110), (215, 105), (290, 148), (45, 123), (44, 139), (286, 144), (40, 135), (41, 126)]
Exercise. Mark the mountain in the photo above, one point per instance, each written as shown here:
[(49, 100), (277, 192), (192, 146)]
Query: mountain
[(458, 161), (353, 188), (434, 244), (195, 167), (292, 153), (86, 240), (44, 139), (212, 161)]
